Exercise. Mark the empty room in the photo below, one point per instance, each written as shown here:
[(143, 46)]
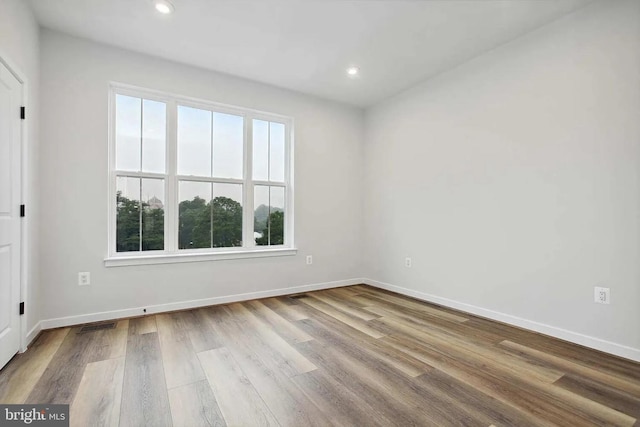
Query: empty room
[(319, 212)]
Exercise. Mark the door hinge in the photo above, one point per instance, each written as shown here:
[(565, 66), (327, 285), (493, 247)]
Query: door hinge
[(23, 113), (21, 308), (22, 209)]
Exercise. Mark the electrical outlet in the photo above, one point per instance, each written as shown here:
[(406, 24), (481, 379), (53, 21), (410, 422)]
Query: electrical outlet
[(407, 262), (602, 295), (84, 278), (309, 259)]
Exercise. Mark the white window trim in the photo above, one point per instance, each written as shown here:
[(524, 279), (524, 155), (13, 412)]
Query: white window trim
[(172, 254)]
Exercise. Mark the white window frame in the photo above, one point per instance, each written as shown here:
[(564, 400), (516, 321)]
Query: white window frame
[(171, 253)]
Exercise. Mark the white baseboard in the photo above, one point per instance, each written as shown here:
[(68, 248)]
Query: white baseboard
[(184, 305), (563, 334), (31, 335)]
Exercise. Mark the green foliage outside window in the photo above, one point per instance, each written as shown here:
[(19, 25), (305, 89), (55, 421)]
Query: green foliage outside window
[(273, 227), (216, 224), (128, 226)]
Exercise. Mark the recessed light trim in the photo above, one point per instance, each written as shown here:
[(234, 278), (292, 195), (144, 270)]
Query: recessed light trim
[(353, 71), (164, 7)]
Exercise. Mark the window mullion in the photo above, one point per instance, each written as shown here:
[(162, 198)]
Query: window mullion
[(211, 185), (270, 183), (247, 207), (213, 180), (140, 179), (140, 214), (113, 206), (129, 174), (171, 184), (288, 178)]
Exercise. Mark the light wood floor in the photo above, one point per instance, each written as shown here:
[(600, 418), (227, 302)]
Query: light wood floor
[(352, 356)]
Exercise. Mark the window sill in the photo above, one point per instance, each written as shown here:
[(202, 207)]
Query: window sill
[(121, 261)]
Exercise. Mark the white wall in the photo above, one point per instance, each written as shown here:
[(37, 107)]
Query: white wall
[(19, 43), (328, 174), (513, 181)]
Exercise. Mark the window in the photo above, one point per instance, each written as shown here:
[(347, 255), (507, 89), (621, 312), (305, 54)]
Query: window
[(195, 180)]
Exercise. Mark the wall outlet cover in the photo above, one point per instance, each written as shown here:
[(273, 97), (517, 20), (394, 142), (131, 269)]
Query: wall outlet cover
[(602, 295), (84, 278)]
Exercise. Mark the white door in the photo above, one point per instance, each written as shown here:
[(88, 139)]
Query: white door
[(10, 158)]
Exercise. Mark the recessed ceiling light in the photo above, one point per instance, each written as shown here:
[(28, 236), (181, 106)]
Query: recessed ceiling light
[(353, 71), (164, 7)]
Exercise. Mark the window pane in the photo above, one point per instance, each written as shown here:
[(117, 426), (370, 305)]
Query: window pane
[(194, 215), (228, 136), (227, 215), (152, 214), (260, 150), (276, 216), (154, 125), (276, 152), (194, 141), (128, 127), (269, 215), (127, 214), (261, 214)]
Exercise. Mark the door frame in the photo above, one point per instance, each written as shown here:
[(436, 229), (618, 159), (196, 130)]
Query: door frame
[(25, 191)]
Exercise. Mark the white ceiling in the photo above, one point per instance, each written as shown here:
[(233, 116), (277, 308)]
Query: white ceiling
[(306, 45)]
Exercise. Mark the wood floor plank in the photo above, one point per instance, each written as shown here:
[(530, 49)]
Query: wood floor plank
[(234, 329), (115, 342), (486, 409), (414, 304), (628, 386), (284, 328), (345, 293), (404, 402), (571, 352), (330, 331), (435, 408), (290, 312), (386, 308), (142, 325), (540, 412), (423, 320), (502, 361), (355, 323), (195, 405), (60, 380), (19, 377), (294, 359), (343, 406), (603, 393), (99, 408), (267, 374), (123, 324), (180, 362), (201, 334), (145, 401), (350, 291), (572, 403), (515, 370), (356, 312), (283, 398), (239, 402)]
